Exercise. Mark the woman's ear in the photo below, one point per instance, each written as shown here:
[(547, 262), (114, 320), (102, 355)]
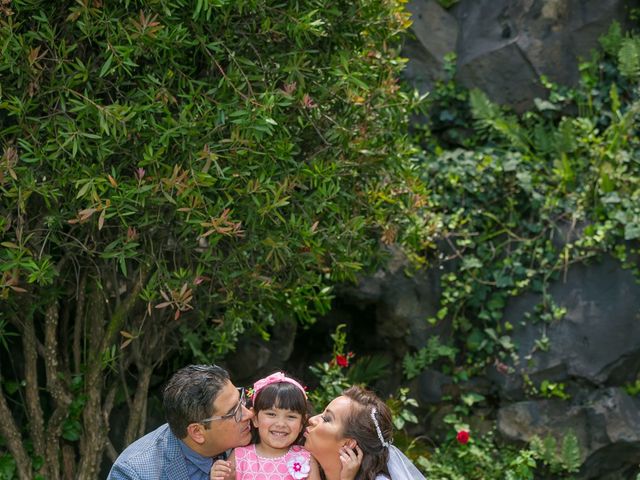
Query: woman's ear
[(350, 442)]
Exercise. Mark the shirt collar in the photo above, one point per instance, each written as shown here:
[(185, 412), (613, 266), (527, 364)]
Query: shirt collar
[(201, 463)]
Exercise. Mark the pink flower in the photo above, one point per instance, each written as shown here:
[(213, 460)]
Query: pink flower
[(139, 173), (132, 234), (289, 88), (462, 437), (299, 467), (308, 102)]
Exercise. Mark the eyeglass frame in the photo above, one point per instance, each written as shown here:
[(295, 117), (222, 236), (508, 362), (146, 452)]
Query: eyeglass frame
[(242, 402)]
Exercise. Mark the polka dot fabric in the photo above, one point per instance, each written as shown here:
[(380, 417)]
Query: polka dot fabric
[(293, 465)]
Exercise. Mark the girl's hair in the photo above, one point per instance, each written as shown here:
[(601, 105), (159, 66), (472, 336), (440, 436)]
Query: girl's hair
[(283, 395), (360, 426)]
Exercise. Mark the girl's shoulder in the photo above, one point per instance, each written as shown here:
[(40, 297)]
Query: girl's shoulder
[(242, 452)]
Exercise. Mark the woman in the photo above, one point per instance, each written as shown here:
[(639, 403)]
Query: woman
[(358, 424)]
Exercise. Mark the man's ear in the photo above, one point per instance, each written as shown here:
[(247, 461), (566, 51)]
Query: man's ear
[(195, 431)]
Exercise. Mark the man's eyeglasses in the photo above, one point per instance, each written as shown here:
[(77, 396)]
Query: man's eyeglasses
[(236, 414)]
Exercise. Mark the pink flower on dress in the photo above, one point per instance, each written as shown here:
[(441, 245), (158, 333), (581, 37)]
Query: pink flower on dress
[(299, 467)]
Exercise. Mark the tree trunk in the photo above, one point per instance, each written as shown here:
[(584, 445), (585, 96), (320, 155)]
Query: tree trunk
[(78, 325), (68, 462), (57, 389), (136, 424), (32, 386), (11, 435), (94, 438), (95, 432), (101, 338)]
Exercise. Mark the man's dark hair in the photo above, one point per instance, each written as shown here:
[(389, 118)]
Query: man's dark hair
[(189, 395)]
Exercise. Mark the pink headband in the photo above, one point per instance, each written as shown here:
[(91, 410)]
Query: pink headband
[(276, 378)]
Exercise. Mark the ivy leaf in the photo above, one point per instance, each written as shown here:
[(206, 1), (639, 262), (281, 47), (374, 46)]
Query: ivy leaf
[(631, 231)]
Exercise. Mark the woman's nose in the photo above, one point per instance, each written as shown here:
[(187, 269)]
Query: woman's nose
[(313, 420), (247, 413)]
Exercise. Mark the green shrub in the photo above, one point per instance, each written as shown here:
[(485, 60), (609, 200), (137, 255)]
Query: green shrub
[(485, 458), (175, 172)]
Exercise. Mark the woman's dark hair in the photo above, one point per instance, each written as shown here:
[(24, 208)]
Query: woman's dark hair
[(360, 426), (283, 395)]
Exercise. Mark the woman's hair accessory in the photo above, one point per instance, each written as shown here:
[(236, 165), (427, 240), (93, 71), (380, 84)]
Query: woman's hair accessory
[(277, 377), (384, 443), (400, 467)]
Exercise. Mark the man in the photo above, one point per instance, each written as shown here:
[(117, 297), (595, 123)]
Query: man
[(206, 416)]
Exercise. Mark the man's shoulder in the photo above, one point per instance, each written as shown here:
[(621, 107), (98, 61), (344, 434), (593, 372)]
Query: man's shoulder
[(158, 440), (146, 457)]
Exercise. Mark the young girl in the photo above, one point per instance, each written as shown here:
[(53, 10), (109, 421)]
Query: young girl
[(280, 414)]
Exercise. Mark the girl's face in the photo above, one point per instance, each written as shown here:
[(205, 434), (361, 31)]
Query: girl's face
[(278, 429), (324, 433)]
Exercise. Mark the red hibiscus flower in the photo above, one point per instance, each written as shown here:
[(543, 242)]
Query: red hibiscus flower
[(462, 437), (342, 360)]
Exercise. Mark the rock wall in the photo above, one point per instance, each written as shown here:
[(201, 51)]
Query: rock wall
[(504, 46), (593, 351)]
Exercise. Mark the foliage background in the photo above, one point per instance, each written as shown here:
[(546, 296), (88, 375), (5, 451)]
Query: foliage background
[(173, 174), (522, 198)]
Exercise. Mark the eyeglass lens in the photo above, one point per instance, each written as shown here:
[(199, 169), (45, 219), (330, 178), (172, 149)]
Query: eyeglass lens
[(241, 403)]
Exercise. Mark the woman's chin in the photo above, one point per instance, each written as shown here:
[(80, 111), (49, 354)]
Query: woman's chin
[(307, 443)]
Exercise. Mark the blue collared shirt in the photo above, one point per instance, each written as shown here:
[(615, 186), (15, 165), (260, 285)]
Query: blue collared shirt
[(198, 467)]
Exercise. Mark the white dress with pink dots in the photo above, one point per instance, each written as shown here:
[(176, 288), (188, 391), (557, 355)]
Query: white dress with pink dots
[(293, 465)]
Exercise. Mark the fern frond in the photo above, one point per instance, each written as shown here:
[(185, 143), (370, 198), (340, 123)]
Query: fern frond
[(482, 108), (549, 448), (571, 452), (613, 39), (542, 139), (629, 58), (565, 137), (490, 116)]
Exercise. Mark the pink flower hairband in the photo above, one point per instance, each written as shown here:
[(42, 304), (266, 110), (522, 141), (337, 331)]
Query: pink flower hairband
[(276, 378)]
